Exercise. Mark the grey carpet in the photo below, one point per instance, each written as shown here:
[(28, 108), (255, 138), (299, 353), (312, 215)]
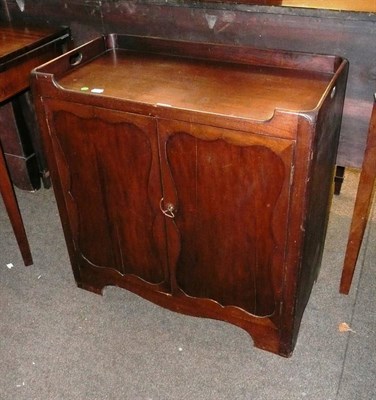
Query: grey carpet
[(61, 342)]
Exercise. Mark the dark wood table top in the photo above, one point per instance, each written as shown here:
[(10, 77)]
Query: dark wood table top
[(16, 41), (22, 48)]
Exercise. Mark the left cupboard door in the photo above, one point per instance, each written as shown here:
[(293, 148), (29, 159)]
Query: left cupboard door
[(105, 164)]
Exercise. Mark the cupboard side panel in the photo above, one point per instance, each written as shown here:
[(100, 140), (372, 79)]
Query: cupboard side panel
[(321, 187), (108, 174)]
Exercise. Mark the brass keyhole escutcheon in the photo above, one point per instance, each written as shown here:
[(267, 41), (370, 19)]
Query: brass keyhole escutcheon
[(170, 209)]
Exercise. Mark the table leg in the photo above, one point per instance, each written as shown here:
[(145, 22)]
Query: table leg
[(338, 179), (11, 205), (362, 207)]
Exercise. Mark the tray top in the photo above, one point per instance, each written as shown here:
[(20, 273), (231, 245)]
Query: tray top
[(245, 91), (15, 41)]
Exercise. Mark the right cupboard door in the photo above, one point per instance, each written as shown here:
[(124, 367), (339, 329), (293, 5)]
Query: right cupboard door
[(227, 195)]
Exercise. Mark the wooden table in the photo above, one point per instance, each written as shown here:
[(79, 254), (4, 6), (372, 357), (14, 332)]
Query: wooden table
[(21, 49)]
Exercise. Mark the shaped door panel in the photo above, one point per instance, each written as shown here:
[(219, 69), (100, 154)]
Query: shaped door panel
[(109, 171), (230, 193)]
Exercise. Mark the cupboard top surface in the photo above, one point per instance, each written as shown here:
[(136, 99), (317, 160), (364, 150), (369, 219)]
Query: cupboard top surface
[(238, 90)]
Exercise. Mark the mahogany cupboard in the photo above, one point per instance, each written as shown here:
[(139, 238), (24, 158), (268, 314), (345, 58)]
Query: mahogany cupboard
[(198, 176)]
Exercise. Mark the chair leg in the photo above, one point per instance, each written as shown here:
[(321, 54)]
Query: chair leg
[(11, 205)]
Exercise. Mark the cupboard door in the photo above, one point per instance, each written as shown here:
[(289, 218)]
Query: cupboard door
[(107, 162), (229, 192)]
